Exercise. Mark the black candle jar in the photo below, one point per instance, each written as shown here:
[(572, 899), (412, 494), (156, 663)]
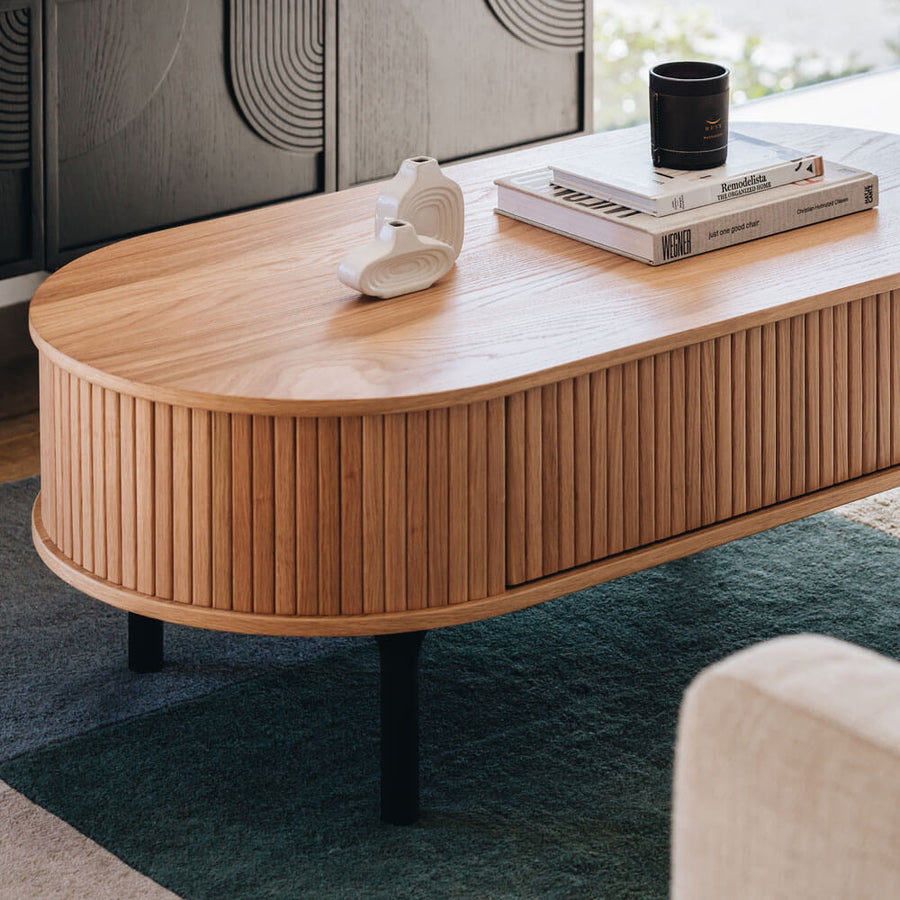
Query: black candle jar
[(689, 115)]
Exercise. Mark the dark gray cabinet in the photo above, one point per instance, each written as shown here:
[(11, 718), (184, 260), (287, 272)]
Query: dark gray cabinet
[(160, 112), (21, 149), (454, 79)]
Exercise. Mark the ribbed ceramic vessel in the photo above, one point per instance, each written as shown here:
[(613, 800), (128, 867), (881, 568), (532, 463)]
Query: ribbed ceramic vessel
[(399, 261), (421, 194)]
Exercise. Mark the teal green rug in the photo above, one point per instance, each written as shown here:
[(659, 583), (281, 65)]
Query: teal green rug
[(547, 736)]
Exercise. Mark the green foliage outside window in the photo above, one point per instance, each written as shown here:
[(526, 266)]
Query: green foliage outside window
[(629, 42)]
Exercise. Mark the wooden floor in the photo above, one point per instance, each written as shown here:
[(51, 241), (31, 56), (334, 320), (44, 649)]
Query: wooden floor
[(19, 426)]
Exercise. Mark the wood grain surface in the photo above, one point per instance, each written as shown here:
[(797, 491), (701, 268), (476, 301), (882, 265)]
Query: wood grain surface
[(245, 313)]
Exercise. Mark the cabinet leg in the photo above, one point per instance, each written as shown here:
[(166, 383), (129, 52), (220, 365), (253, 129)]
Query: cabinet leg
[(399, 659), (145, 643)]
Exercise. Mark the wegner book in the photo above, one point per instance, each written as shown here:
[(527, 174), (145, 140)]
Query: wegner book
[(626, 174), (533, 198)]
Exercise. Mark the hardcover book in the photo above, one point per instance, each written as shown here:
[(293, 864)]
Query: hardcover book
[(626, 174), (533, 198)]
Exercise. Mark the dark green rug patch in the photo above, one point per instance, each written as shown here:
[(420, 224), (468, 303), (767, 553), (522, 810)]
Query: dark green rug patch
[(547, 740)]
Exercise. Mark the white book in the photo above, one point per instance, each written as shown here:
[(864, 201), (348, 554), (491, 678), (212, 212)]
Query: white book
[(626, 174), (533, 198)]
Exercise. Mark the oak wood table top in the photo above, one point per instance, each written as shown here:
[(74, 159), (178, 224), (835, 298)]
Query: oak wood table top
[(244, 313), (231, 438)]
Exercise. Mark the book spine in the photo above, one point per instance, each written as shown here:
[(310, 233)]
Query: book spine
[(793, 212), (740, 186)]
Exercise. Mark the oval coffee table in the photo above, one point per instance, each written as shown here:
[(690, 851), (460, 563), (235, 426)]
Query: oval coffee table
[(232, 439)]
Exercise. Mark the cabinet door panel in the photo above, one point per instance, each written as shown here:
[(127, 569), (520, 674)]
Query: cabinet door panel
[(21, 198), (454, 79), (151, 123)]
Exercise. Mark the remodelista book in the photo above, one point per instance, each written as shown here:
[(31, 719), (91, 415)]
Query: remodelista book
[(626, 174), (533, 198)]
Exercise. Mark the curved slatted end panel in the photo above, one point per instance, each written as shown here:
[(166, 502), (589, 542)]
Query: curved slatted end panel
[(547, 24), (15, 86), (277, 70), (274, 517), (700, 435)]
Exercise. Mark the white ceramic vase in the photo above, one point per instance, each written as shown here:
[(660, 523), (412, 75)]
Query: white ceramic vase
[(421, 194), (398, 261)]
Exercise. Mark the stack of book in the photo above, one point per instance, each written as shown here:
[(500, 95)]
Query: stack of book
[(616, 200)]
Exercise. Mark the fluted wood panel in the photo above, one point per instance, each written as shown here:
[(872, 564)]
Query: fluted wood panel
[(276, 515), (702, 434)]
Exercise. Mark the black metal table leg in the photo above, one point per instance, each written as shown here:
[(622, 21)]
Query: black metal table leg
[(399, 658), (145, 643)]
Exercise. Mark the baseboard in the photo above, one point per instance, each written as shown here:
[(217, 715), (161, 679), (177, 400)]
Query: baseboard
[(15, 342)]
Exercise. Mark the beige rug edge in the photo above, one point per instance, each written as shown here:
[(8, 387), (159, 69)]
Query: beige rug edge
[(881, 511), (43, 858)]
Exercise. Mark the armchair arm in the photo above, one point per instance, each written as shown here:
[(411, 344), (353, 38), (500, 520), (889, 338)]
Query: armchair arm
[(787, 776)]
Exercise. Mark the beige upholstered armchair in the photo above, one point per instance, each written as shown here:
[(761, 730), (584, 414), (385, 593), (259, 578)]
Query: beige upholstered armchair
[(787, 776)]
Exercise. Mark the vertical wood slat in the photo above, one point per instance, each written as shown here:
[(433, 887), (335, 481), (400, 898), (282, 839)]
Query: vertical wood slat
[(329, 520), (841, 324), (723, 433), (739, 409), (515, 488), (582, 429), (646, 450), (631, 496), (201, 508), (417, 509), (855, 414), (113, 485), (145, 496), (395, 512), (602, 464), (883, 381), (351, 508), (438, 486), (826, 396), (86, 435), (693, 438), (797, 395), (678, 426), (769, 341), (549, 479), (708, 454), (307, 481), (869, 384), (895, 377), (222, 511), (373, 518), (285, 501), (783, 409), (128, 497), (458, 504), (754, 420), (98, 475), (164, 499), (182, 517), (533, 485), (496, 504), (813, 382), (662, 425), (46, 411), (61, 441), (566, 462), (242, 512), (615, 502), (263, 486), (75, 468), (476, 500)]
